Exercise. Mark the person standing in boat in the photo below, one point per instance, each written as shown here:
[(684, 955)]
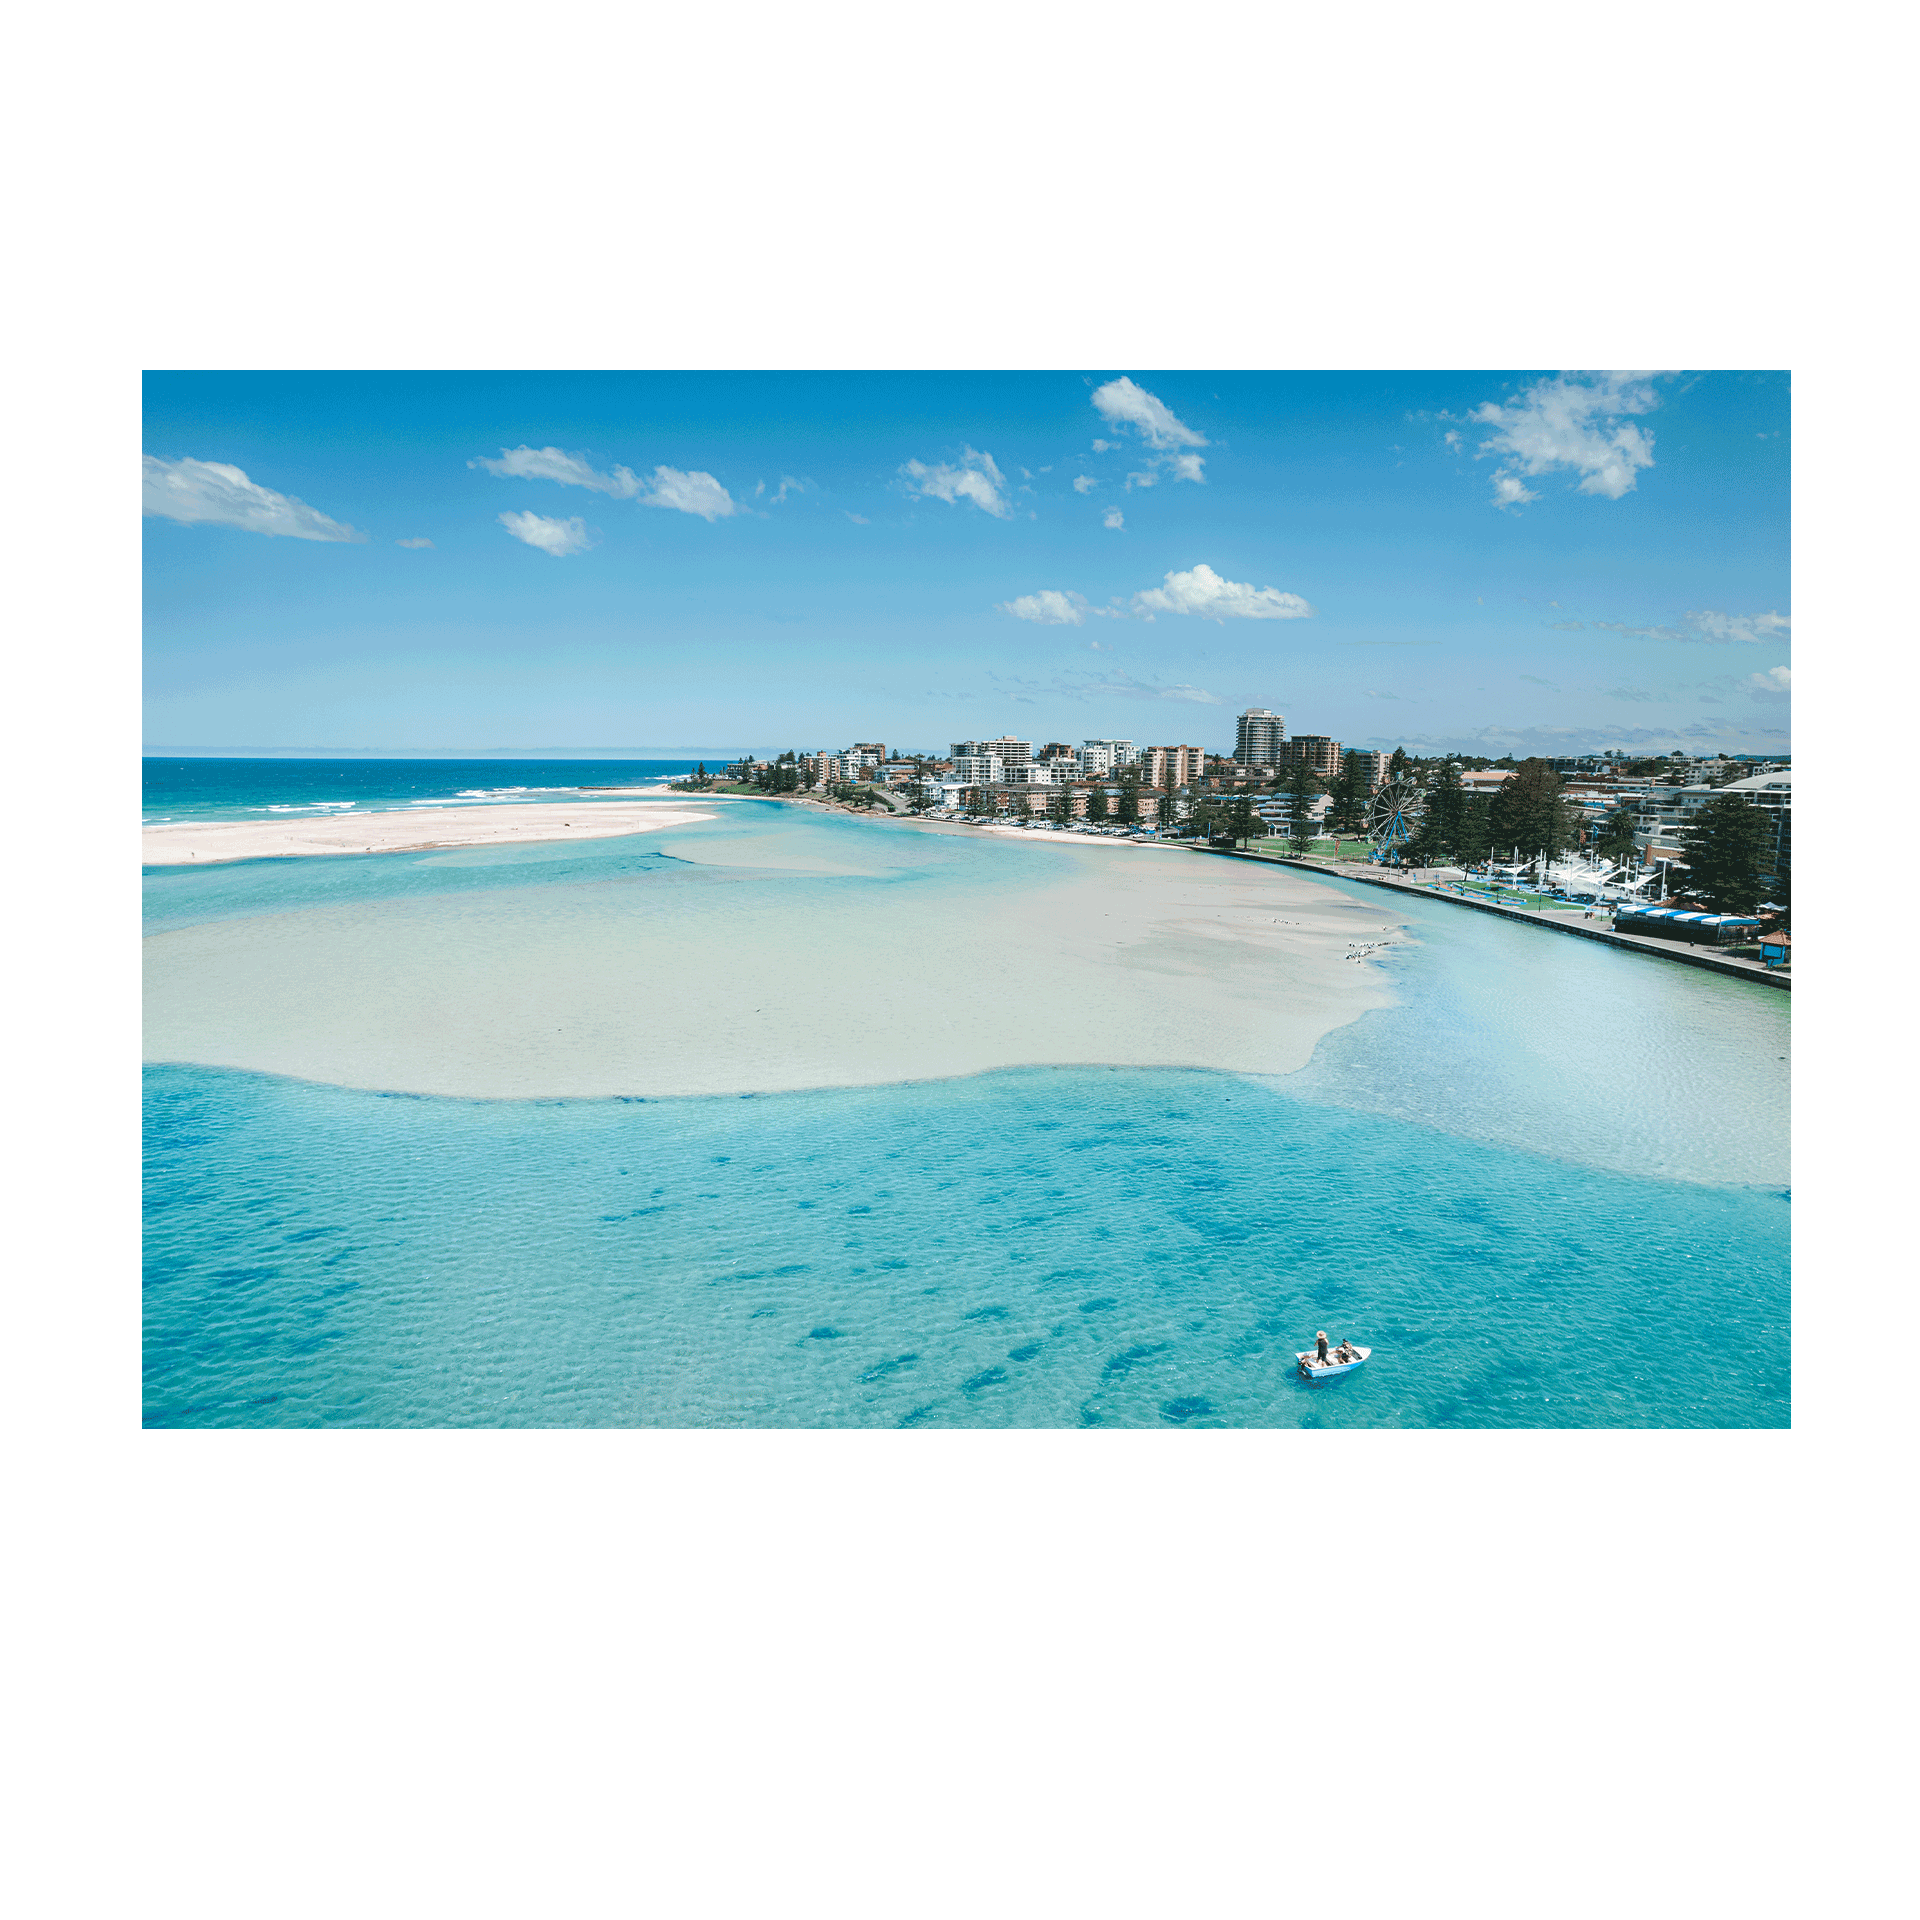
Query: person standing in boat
[(1320, 1348)]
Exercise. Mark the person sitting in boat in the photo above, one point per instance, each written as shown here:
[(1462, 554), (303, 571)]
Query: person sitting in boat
[(1320, 1348), (1345, 1352)]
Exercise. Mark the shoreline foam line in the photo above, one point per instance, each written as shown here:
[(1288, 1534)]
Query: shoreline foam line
[(406, 830)]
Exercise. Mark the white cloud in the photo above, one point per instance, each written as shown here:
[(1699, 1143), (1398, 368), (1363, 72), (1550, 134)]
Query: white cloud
[(858, 519), (1085, 483), (1139, 480), (697, 493), (1049, 608), (1113, 519), (1775, 680), (1452, 439), (1127, 405), (1712, 627), (1753, 627), (1202, 591), (1576, 422), (1103, 446), (569, 469), (413, 543), (976, 478), (556, 537), (787, 485), (1509, 491), (204, 491), (1156, 423)]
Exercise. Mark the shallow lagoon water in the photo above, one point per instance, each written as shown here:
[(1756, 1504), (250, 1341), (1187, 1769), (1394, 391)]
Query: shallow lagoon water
[(1547, 1187)]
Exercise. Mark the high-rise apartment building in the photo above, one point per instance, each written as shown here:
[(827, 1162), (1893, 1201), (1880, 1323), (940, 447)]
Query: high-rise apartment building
[(1317, 751), (1007, 750), (1105, 756), (1171, 766), (1259, 738), (976, 769), (1374, 766)]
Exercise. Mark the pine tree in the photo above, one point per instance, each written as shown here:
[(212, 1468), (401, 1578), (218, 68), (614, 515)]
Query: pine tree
[(1060, 805), (1302, 789), (1528, 812), (1022, 806), (1130, 797), (1399, 765), (1097, 803), (1475, 839), (1723, 844)]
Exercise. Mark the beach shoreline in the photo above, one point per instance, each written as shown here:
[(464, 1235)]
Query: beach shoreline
[(753, 977), (178, 843)]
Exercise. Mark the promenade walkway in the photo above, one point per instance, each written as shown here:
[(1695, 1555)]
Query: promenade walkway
[(1566, 920)]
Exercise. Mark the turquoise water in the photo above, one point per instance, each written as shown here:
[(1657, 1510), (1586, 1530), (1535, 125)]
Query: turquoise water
[(222, 789), (1548, 1187)]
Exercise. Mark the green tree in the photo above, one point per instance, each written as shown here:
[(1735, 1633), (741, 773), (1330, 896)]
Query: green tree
[(1476, 831), (1302, 789), (1129, 808), (1438, 837), (922, 796), (1723, 844), (1349, 809), (1097, 803), (1060, 805), (1616, 835), (1398, 765), (1529, 813), (1022, 807)]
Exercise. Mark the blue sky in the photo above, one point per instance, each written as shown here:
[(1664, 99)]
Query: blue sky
[(708, 563)]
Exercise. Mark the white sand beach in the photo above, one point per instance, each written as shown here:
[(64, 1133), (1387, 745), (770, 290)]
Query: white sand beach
[(411, 830), (727, 980)]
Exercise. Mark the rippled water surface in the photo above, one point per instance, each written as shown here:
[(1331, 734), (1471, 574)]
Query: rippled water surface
[(1548, 1187)]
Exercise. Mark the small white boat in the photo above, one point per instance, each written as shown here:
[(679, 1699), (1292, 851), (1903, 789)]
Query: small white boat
[(1312, 1367)]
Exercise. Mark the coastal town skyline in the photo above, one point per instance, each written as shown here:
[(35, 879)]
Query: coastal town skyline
[(689, 564)]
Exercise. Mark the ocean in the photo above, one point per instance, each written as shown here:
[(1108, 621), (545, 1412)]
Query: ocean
[(1548, 1187), (211, 789)]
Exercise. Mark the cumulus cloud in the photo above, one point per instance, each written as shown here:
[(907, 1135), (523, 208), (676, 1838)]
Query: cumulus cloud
[(697, 493), (1085, 483), (858, 519), (423, 542), (206, 491), (1753, 627), (569, 469), (1573, 422), (1049, 608), (1774, 683), (1200, 590), (556, 537), (1113, 519), (1127, 405), (1509, 491), (976, 478)]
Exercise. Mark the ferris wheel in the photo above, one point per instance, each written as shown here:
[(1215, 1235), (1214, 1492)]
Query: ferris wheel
[(1393, 817)]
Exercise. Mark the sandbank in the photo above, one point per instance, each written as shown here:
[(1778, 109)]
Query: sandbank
[(717, 980), (405, 830)]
